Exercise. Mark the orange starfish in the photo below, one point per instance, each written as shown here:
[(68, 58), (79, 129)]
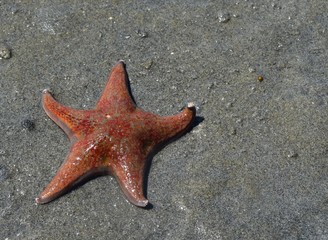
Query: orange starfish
[(115, 138)]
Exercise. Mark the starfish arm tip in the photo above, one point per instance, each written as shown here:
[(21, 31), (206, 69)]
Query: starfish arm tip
[(38, 200), (190, 105), (46, 90), (136, 199), (141, 203), (45, 198)]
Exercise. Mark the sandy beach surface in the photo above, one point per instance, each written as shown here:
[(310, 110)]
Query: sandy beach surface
[(255, 164)]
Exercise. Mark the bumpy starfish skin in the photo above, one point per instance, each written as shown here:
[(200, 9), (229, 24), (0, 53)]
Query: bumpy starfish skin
[(116, 138)]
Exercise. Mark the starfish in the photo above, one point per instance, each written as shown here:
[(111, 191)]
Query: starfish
[(116, 137)]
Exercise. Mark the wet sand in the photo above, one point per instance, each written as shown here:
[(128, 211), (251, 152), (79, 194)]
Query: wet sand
[(254, 166)]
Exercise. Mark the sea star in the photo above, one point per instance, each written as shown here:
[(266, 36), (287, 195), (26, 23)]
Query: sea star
[(116, 137)]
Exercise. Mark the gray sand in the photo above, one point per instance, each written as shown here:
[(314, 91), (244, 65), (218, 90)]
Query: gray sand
[(256, 167)]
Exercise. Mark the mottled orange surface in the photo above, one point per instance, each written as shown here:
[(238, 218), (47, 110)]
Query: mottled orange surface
[(116, 137)]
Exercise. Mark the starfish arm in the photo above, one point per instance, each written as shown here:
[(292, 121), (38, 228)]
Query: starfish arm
[(116, 97), (129, 173), (165, 128), (72, 121), (67, 176), (83, 161)]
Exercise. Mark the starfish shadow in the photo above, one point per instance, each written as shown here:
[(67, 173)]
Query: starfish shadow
[(128, 84), (150, 157)]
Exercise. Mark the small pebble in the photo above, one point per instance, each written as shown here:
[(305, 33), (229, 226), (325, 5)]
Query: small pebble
[(260, 78), (239, 120), (5, 52), (229, 105), (148, 64), (142, 33), (224, 17), (232, 131), (292, 154), (28, 124), (211, 85), (3, 173), (2, 152)]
